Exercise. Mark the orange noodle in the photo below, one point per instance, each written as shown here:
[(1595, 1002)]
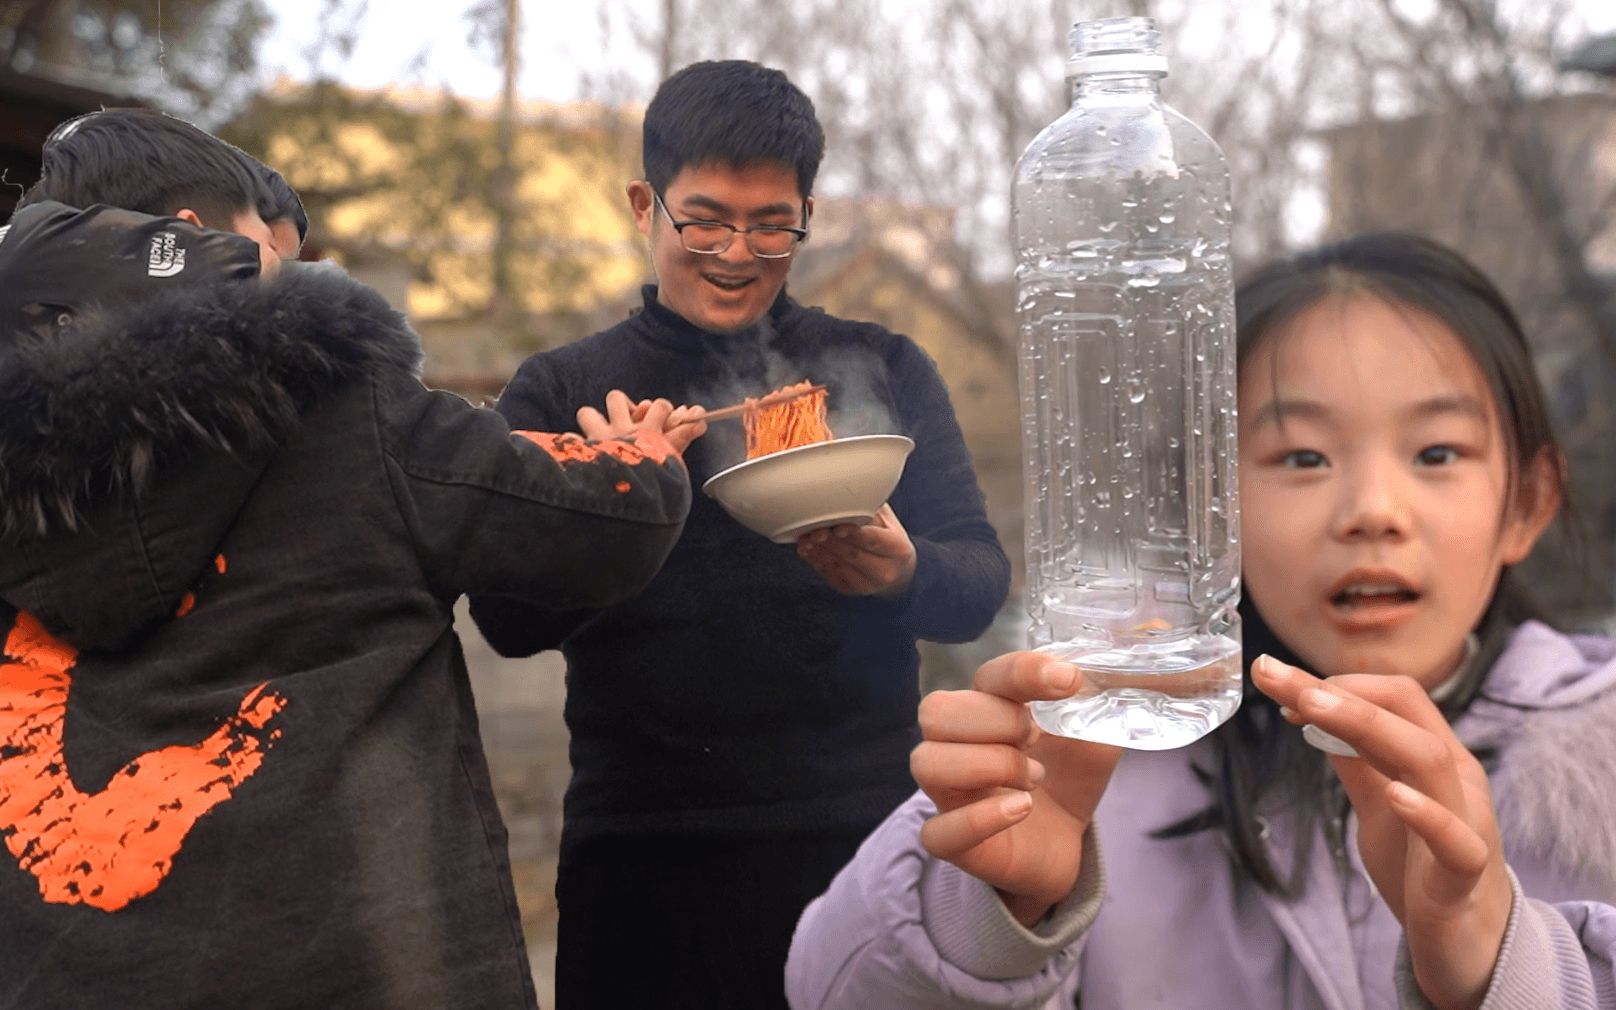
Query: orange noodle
[(786, 425)]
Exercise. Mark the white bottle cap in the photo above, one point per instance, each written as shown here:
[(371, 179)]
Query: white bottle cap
[(1329, 743)]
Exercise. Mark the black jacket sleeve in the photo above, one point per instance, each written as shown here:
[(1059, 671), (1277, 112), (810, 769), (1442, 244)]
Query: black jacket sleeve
[(556, 521), (534, 400), (962, 575)]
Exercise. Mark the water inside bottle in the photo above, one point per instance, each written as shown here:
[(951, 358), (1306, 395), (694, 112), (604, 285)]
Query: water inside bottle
[(1137, 700), (1132, 531)]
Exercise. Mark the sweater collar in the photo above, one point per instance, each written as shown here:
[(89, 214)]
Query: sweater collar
[(666, 326)]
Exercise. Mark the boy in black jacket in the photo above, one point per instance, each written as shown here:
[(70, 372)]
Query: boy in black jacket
[(239, 761), (740, 726)]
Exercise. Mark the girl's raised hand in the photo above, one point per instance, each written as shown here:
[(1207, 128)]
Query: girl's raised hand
[(1012, 801), (1426, 827)]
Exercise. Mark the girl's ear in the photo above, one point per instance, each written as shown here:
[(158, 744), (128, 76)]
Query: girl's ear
[(1534, 504)]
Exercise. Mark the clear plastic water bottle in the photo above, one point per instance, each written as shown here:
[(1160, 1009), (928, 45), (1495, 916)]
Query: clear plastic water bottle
[(1126, 309)]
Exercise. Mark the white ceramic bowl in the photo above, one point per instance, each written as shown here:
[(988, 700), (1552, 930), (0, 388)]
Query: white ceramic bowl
[(786, 494)]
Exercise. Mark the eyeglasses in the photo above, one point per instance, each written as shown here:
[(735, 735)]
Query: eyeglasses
[(709, 238)]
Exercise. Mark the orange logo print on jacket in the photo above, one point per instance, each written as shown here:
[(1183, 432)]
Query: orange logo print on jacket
[(107, 848)]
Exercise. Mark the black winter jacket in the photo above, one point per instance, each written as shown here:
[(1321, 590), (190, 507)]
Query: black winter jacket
[(239, 760)]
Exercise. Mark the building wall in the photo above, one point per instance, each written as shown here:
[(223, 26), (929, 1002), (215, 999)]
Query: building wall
[(408, 176), (1444, 176)]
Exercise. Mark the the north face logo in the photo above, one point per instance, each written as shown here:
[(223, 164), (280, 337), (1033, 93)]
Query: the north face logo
[(166, 258)]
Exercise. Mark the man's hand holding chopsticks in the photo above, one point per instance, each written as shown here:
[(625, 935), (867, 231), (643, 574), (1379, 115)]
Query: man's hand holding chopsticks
[(873, 560)]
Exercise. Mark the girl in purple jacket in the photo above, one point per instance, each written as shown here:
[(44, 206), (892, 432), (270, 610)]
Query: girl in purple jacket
[(1448, 839)]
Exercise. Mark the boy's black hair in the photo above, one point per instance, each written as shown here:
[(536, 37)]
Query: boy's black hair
[(734, 113), (148, 162), (279, 200), (1261, 764)]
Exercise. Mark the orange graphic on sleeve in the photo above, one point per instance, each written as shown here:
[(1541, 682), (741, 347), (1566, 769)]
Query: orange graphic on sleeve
[(106, 849), (568, 447)]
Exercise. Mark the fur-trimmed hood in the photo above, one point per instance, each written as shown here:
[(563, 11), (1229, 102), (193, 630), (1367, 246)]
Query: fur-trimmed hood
[(1547, 709), (130, 438)]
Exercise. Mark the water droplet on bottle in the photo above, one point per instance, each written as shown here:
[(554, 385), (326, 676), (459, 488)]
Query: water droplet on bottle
[(1136, 393), (1103, 375), (1168, 218)]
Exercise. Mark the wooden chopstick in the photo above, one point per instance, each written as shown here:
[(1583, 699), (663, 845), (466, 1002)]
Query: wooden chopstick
[(737, 409)]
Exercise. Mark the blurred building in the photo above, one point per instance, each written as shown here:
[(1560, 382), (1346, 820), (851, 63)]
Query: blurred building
[(1595, 56), (403, 188), (31, 105)]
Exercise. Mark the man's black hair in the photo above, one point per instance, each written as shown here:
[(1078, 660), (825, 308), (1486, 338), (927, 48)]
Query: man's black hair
[(733, 113), (148, 162)]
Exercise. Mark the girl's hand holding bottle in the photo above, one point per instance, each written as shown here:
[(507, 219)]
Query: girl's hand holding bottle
[(1426, 827), (1012, 801)]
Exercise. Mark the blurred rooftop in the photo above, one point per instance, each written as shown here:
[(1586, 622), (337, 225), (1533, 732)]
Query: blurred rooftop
[(1596, 55)]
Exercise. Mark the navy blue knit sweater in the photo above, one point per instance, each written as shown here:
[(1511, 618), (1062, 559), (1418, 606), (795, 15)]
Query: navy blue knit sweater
[(740, 694)]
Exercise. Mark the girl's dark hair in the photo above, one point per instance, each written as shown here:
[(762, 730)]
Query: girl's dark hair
[(735, 113), (1262, 764), (148, 162)]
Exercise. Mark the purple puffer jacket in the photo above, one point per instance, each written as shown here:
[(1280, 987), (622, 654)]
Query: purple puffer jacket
[(1169, 924)]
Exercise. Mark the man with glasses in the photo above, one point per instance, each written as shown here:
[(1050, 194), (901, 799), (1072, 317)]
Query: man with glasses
[(742, 725)]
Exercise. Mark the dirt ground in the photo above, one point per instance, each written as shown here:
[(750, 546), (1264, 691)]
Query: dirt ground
[(519, 706)]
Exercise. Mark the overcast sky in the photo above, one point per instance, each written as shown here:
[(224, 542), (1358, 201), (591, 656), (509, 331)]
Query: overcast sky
[(560, 38)]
